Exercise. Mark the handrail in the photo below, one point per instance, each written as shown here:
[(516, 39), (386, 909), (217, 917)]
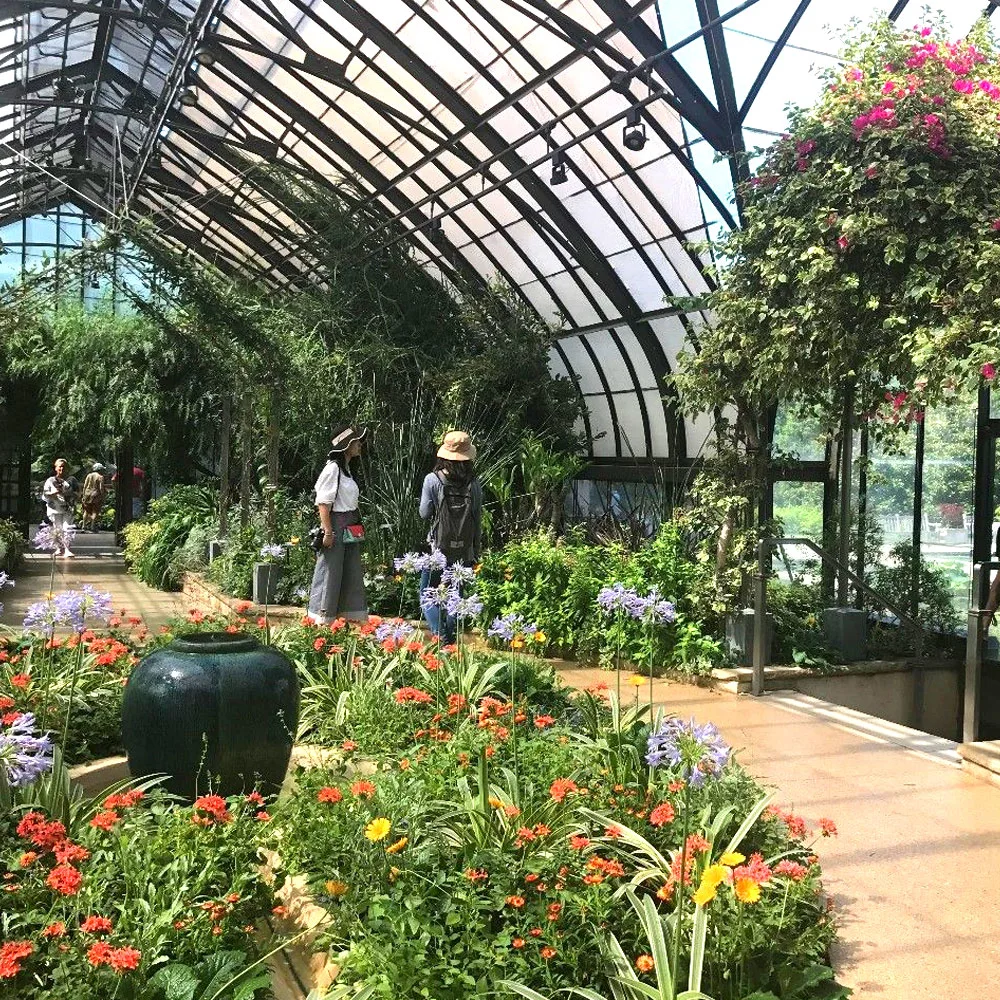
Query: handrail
[(764, 547), (974, 643)]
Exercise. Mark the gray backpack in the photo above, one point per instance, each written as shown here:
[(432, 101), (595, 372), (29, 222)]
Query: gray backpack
[(454, 531)]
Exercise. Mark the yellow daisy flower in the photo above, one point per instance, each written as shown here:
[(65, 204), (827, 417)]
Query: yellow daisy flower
[(378, 829)]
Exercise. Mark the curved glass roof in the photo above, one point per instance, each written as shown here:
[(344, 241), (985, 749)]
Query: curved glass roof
[(457, 118)]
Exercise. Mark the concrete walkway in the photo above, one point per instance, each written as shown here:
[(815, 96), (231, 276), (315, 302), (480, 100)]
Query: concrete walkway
[(96, 562), (914, 871)]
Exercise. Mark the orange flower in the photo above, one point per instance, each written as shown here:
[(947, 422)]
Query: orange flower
[(645, 963), (96, 925), (105, 820), (58, 929), (328, 794), (363, 790), (548, 952), (544, 721), (65, 880), (518, 942), (828, 828), (516, 901)]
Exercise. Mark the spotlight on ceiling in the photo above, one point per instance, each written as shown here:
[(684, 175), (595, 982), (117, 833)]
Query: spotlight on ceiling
[(95, 281), (634, 132), (189, 96), (558, 168), (205, 56), (155, 161), (66, 89)]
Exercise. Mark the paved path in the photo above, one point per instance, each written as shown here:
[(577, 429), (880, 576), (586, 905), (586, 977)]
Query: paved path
[(96, 562), (914, 870)]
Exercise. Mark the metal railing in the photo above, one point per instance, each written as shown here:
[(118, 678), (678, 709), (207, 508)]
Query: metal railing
[(974, 643), (764, 548)]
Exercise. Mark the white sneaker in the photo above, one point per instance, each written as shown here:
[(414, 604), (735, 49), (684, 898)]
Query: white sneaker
[(67, 554)]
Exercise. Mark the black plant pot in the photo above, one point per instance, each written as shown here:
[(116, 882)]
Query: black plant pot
[(212, 709)]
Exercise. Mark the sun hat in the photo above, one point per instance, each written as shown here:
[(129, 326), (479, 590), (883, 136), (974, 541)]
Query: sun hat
[(457, 447), (344, 435), (98, 467)]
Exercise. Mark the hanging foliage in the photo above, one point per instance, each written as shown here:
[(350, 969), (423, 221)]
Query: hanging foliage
[(868, 262)]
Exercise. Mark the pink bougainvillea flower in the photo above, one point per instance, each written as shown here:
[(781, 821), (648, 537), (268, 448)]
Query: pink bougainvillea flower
[(989, 371), (843, 242), (963, 86)]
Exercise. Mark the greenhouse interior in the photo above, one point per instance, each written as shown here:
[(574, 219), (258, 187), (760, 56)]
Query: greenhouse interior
[(499, 499)]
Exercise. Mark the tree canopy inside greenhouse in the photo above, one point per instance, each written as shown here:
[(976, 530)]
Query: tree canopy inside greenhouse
[(488, 138)]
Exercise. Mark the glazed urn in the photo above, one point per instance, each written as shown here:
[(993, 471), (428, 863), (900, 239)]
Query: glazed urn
[(215, 711)]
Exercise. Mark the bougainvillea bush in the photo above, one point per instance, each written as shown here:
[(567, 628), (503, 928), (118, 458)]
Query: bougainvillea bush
[(494, 841), (866, 270)]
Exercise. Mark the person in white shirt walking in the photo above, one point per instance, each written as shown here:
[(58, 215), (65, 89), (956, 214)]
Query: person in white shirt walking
[(338, 585), (59, 499)]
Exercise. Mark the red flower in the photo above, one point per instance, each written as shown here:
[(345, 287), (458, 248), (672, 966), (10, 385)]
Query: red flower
[(697, 843), (548, 952), (96, 925), (99, 953), (20, 680), (318, 644), (412, 694), (791, 869), (67, 852), (578, 843), (6, 703), (535, 932), (348, 745), (517, 943), (828, 828), (124, 959), (64, 879), (9, 718), (215, 808), (561, 787), (662, 814), (105, 820), (328, 794), (56, 930), (27, 858), (39, 831), (756, 869), (543, 721), (363, 789), (11, 955), (516, 901), (263, 817), (255, 798)]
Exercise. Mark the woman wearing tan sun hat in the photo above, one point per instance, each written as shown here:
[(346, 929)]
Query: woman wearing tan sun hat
[(452, 500)]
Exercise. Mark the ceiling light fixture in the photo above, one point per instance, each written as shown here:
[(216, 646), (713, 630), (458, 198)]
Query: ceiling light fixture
[(205, 56), (634, 132), (558, 168), (188, 96)]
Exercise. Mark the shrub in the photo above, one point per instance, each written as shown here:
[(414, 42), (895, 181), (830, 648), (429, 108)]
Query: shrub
[(11, 546)]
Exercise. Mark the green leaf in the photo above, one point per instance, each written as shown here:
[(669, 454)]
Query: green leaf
[(175, 982)]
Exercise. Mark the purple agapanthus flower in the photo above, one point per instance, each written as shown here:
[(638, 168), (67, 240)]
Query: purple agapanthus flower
[(72, 608), (24, 755), (411, 562), (397, 630), (510, 627), (699, 751), (49, 538), (457, 575), (616, 598), (653, 609), (435, 560), (435, 597), (463, 608), (272, 551), (41, 617)]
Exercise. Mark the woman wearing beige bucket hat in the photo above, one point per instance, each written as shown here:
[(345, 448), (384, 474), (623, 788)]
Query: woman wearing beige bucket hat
[(452, 500)]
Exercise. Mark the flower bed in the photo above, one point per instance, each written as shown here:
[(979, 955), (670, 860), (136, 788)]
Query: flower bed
[(470, 826)]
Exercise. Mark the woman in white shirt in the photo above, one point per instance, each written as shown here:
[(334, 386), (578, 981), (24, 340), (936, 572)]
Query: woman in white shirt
[(338, 586)]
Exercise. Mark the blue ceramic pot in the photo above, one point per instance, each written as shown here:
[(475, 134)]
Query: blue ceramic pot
[(212, 710)]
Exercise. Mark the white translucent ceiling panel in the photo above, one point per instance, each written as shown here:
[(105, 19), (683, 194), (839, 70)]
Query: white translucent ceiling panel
[(582, 365), (631, 427), (603, 444), (672, 336), (657, 424), (605, 228), (643, 372), (509, 257), (604, 304), (542, 301), (612, 363), (531, 245), (699, 434), (641, 283), (580, 310), (556, 364)]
